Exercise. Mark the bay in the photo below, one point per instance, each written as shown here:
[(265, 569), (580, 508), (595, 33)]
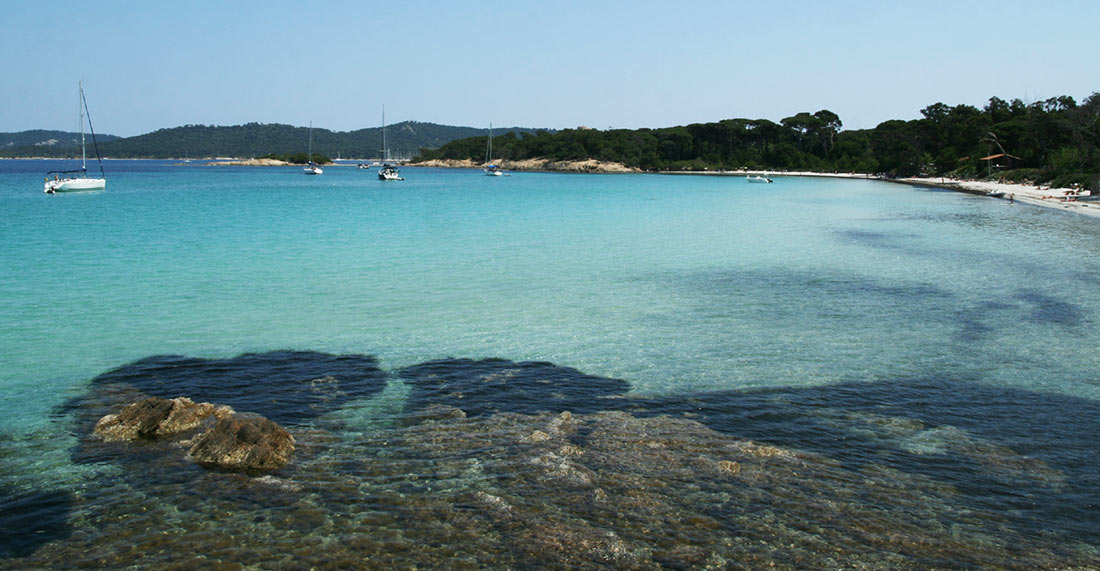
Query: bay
[(876, 325)]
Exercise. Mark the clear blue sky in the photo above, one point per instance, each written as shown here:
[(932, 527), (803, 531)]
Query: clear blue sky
[(152, 65)]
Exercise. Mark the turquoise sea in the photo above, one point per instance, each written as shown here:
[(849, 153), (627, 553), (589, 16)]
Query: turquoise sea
[(811, 373)]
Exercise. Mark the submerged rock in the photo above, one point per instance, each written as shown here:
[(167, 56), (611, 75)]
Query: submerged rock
[(491, 386), (30, 519), (436, 413), (289, 387), (245, 444), (557, 470)]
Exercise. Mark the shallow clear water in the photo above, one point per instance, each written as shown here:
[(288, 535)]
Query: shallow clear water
[(946, 338)]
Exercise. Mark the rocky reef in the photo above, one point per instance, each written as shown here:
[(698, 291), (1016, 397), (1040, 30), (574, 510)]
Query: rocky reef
[(498, 463)]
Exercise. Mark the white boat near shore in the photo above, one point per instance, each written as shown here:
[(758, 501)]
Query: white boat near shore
[(387, 171), (758, 178), (312, 167), (78, 180), (490, 168)]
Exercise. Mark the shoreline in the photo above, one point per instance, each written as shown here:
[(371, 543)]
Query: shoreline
[(1045, 197), (1042, 196)]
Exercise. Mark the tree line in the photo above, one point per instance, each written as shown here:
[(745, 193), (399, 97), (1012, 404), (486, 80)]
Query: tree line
[(1054, 140)]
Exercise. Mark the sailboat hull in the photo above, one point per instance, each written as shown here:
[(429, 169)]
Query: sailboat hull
[(75, 185)]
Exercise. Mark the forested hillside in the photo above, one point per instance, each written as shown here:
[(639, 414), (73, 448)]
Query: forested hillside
[(1042, 141), (253, 140), (39, 138)]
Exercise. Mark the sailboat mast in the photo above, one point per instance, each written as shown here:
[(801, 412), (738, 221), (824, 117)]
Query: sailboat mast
[(489, 149), (385, 149), (311, 140), (80, 104), (98, 157)]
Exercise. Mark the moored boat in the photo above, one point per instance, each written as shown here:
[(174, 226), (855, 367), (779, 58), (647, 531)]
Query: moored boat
[(490, 168), (77, 180), (312, 167), (387, 171)]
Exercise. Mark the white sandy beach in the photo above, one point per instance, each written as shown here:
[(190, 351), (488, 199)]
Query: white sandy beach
[(1027, 194)]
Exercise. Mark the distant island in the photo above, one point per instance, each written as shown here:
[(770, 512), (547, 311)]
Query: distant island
[(251, 140)]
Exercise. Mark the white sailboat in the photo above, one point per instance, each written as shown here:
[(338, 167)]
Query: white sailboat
[(387, 171), (312, 167), (490, 168), (78, 180)]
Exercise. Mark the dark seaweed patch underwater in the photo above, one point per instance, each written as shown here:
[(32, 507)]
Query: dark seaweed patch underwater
[(495, 463)]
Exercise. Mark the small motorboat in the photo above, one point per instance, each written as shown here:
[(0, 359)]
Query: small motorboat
[(389, 172), (758, 178)]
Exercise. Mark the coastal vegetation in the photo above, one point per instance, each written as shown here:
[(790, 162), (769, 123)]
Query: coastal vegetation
[(1054, 140)]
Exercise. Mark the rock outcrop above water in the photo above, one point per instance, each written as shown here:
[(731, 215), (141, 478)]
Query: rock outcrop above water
[(246, 444), (249, 163), (226, 440), (156, 418), (587, 166)]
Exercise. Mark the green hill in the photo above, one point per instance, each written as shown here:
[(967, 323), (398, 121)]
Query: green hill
[(46, 140), (253, 140)]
